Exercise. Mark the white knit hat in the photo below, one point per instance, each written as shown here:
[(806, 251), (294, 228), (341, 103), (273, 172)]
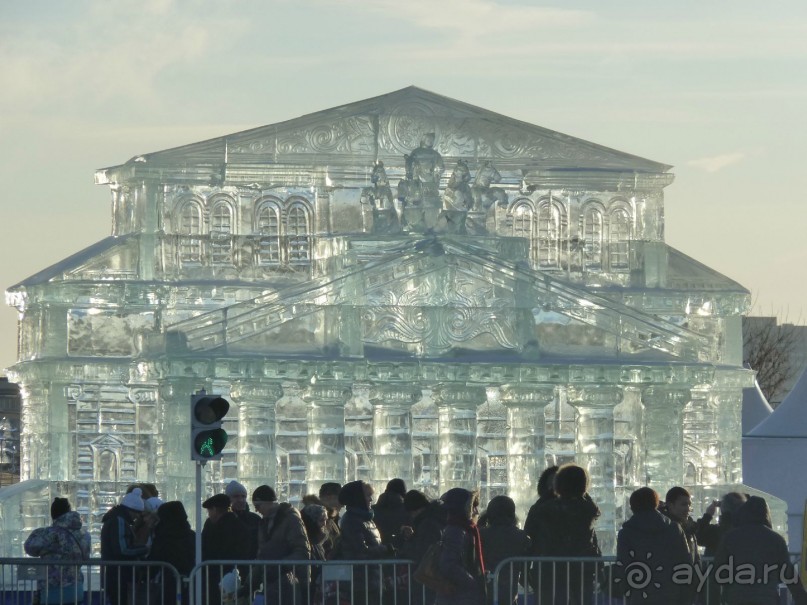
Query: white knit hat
[(134, 500), (152, 504), (233, 488)]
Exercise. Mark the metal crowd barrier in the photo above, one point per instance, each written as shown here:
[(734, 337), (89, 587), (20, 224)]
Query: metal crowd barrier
[(32, 581), (596, 581), (522, 581), (365, 582)]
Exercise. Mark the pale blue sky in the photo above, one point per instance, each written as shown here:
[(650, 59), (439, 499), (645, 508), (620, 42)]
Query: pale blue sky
[(717, 89)]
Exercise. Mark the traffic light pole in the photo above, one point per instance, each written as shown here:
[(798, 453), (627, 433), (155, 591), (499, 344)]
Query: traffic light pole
[(198, 587)]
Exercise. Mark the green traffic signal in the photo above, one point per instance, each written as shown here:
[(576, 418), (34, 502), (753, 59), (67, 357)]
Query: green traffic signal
[(208, 444), (208, 439)]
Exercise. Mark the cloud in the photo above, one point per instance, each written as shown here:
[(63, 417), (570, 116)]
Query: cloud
[(718, 162)]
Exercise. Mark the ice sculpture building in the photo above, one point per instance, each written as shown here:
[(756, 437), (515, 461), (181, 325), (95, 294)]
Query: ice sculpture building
[(406, 286)]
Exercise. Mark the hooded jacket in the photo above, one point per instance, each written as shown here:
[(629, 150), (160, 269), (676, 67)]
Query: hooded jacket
[(118, 542), (64, 540), (753, 543), (360, 536), (653, 546), (174, 541)]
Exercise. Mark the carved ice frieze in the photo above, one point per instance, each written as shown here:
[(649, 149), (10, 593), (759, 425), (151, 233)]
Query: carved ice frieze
[(439, 315)]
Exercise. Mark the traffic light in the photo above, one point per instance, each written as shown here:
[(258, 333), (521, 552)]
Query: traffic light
[(207, 437)]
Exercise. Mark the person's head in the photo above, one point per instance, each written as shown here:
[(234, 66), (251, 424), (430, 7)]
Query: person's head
[(133, 502), (546, 482), (172, 513), (644, 499), (264, 500), (396, 486), (461, 503), (310, 499), (315, 517), (427, 140), (237, 494), (679, 503), (149, 490), (58, 507), (729, 505), (329, 495), (501, 510), (571, 481), (216, 506), (153, 504), (415, 502), (356, 494), (754, 511)]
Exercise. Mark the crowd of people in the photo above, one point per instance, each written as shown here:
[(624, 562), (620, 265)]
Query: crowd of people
[(341, 522)]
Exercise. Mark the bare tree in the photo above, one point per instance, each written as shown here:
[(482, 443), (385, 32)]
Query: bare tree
[(768, 348)]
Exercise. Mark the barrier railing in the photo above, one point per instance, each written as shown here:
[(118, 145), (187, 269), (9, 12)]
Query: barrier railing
[(29, 581), (523, 580), (366, 582)]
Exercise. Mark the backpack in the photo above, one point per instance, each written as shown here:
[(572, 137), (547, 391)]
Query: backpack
[(428, 572)]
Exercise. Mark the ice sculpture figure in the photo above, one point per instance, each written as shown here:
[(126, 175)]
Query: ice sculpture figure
[(404, 286)]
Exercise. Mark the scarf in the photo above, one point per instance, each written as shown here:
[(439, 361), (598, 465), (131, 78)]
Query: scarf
[(362, 513), (472, 528)]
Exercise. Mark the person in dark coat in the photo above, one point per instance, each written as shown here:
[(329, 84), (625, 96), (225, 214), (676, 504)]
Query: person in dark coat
[(119, 543), (754, 545), (650, 547), (174, 543), (281, 537), (224, 538), (428, 522), (315, 519), (238, 504), (361, 538), (462, 561), (541, 572), (565, 526), (710, 535), (329, 496), (390, 514), (502, 539)]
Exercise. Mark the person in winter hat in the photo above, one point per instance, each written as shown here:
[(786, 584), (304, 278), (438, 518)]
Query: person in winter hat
[(120, 542), (461, 559), (174, 542), (65, 540), (390, 514), (361, 538), (428, 519), (237, 494)]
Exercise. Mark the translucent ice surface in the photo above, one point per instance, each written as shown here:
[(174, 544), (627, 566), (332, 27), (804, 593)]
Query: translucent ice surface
[(407, 286)]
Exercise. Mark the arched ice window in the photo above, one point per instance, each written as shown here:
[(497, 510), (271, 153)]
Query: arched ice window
[(592, 236), (267, 225), (298, 232), (189, 229), (550, 222), (619, 235), (221, 231)]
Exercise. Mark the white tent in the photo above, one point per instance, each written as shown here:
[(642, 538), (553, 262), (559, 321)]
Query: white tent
[(755, 408), (774, 453)]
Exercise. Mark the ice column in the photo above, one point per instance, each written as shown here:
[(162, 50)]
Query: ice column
[(664, 436), (456, 428), (257, 462), (326, 401), (729, 404), (526, 439), (392, 432), (594, 444)]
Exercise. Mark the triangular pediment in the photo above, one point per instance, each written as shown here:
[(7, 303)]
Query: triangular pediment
[(391, 125), (431, 298)]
